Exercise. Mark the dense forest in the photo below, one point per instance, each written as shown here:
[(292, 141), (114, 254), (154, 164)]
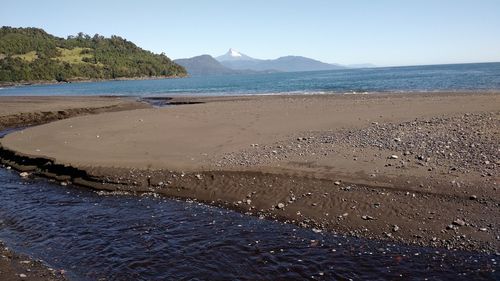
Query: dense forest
[(31, 54)]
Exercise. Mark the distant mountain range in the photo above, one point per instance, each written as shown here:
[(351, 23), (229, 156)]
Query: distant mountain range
[(204, 65), (234, 62)]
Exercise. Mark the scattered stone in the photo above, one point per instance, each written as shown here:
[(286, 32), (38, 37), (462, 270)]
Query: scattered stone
[(280, 206), (393, 157), (483, 229), (395, 228), (337, 183), (22, 275), (473, 197), (198, 176), (367, 218), (24, 174)]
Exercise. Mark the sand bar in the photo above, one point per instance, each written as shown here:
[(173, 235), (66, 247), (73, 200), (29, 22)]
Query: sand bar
[(309, 160)]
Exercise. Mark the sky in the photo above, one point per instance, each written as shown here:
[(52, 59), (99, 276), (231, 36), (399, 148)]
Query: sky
[(381, 32)]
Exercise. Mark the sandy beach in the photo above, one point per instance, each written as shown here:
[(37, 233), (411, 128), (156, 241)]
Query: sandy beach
[(414, 168)]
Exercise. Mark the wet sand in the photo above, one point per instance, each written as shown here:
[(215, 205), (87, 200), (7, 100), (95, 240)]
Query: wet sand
[(415, 168), (27, 111), (14, 267)]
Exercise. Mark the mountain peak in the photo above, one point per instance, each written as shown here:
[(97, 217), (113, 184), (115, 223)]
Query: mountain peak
[(232, 55)]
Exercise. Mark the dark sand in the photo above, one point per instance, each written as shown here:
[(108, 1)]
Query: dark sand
[(324, 162)]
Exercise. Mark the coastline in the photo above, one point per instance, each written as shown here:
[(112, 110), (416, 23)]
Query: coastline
[(262, 176), (84, 80)]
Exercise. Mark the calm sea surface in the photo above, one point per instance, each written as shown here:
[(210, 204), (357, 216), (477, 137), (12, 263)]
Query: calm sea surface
[(458, 77)]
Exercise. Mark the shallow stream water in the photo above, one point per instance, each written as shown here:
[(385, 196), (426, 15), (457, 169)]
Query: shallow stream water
[(92, 236)]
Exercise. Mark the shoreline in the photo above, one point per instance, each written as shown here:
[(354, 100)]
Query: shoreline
[(14, 266), (303, 195), (76, 80), (21, 267)]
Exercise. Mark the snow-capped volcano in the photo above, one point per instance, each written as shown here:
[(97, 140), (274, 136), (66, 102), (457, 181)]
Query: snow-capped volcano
[(232, 55)]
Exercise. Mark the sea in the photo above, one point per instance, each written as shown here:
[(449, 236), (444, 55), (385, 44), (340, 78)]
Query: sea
[(432, 78)]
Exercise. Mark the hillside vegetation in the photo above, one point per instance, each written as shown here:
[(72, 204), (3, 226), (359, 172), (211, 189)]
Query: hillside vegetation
[(31, 54)]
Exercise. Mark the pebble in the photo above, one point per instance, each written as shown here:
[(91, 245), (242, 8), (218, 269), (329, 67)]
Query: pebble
[(473, 197), (337, 183), (393, 157), (395, 228), (24, 174), (22, 275), (367, 217), (198, 176), (280, 206), (459, 222)]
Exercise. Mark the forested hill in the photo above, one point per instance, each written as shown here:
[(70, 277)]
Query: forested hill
[(31, 54)]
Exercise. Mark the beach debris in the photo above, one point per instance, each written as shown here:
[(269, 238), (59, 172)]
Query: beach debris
[(458, 222), (366, 218), (24, 174), (280, 206)]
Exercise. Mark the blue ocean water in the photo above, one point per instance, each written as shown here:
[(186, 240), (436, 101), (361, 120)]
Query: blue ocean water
[(456, 77)]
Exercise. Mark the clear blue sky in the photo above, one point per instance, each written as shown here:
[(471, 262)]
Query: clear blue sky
[(383, 32)]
